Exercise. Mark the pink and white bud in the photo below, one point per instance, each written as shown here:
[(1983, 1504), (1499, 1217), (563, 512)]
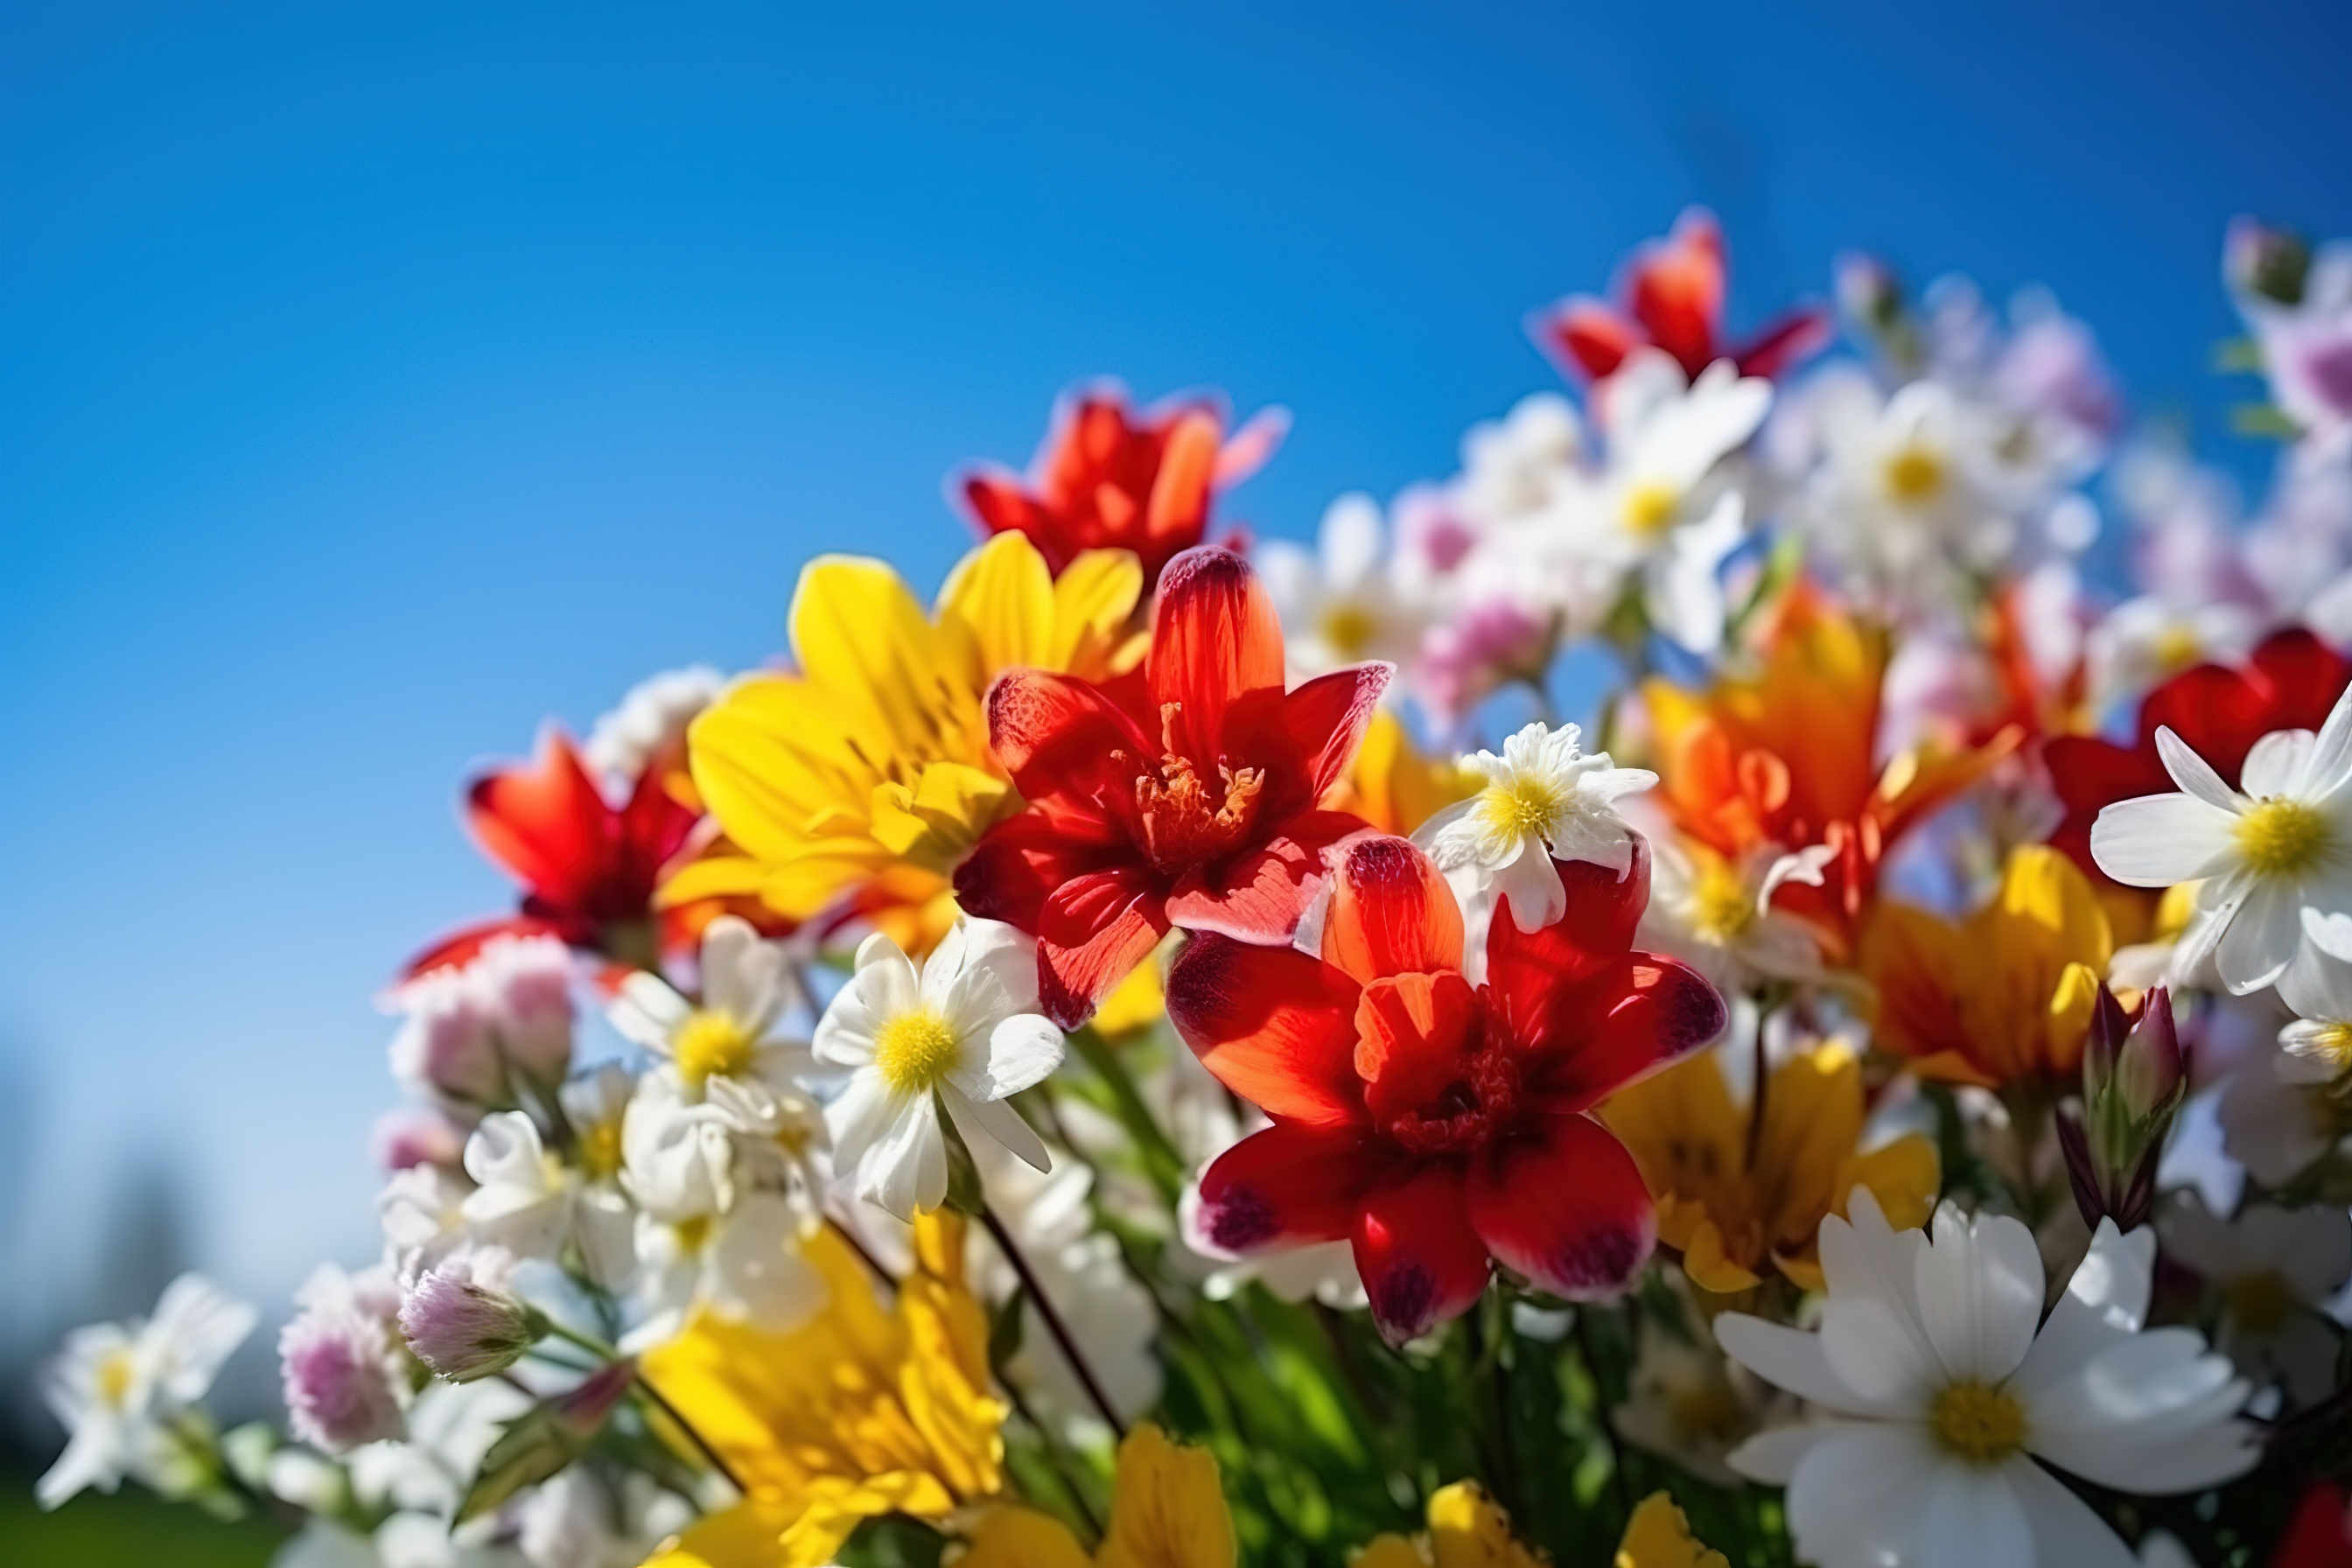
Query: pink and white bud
[(472, 1032), (346, 1378), (416, 1135), (463, 1322), (529, 983)]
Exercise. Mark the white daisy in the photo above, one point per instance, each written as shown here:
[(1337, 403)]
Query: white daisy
[(533, 1205), (1940, 1386), (1716, 913), (1543, 798), (1344, 601), (726, 1050), (2273, 1269), (962, 1028), (118, 1387), (2262, 852)]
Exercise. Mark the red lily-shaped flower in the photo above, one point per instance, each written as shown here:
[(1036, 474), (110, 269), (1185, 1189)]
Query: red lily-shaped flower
[(1673, 292), (1192, 797), (588, 869), (1440, 1127), (2290, 682), (1107, 480)]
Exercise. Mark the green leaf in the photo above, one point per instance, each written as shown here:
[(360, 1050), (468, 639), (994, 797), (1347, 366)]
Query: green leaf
[(531, 1448)]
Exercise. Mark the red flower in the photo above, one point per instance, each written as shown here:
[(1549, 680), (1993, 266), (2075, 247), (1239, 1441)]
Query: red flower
[(2320, 1535), (588, 869), (1439, 1128), (1191, 796), (2290, 683), (1673, 294), (1105, 480)]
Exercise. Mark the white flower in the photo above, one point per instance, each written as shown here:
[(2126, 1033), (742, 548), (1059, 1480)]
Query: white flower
[(2318, 987), (1685, 1400), (1345, 601), (962, 1028), (1109, 1315), (2263, 853), (2273, 1268), (422, 1212), (1653, 508), (1717, 914), (345, 1375), (726, 1050), (742, 1263), (531, 1203), (2275, 1123), (2142, 641), (1543, 798), (117, 1386), (652, 715), (1940, 1386), (1516, 466)]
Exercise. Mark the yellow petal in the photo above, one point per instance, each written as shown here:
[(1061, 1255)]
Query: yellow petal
[(1094, 598), (1168, 1510), (2069, 1024), (949, 808), (1467, 1529), (1658, 1536), (1904, 1176), (835, 1506), (747, 1535), (1710, 1269), (712, 876), (1021, 1538), (1812, 1117), (1139, 1001), (1000, 595), (861, 637)]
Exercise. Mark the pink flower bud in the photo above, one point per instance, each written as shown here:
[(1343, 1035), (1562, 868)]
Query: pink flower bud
[(346, 1380), (464, 1322)]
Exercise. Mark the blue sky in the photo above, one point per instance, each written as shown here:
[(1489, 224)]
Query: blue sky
[(377, 380)]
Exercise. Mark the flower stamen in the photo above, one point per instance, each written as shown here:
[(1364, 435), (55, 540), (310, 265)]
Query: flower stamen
[(914, 1051), (1979, 1423), (711, 1045), (2282, 837)]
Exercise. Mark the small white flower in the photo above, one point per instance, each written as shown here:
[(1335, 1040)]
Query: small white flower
[(1685, 1400), (743, 1264), (1543, 799), (652, 715), (117, 1386), (531, 1203), (2318, 987), (2272, 1267), (1941, 1385), (2144, 640), (422, 1212), (2264, 852), (963, 1028), (1716, 913), (2274, 1120), (1345, 601), (725, 1051)]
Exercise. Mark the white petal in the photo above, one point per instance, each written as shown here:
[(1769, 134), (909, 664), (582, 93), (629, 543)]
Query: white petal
[(2192, 772), (1973, 1518), (756, 1270), (860, 1117), (2260, 942), (2156, 840), (1857, 1496), (2067, 1532), (1865, 1258), (996, 1122), (1531, 882), (906, 1171), (883, 986), (2104, 1303), (646, 1012), (2275, 765), (1452, 838), (196, 1328), (1021, 1052), (1873, 1353), (994, 977), (1771, 1457), (1980, 1287), (2329, 766), (1790, 1359)]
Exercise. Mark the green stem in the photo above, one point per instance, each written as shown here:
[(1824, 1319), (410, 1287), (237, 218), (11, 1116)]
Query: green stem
[(1053, 1317)]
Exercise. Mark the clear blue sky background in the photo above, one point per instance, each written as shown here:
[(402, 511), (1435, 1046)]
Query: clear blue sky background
[(375, 381)]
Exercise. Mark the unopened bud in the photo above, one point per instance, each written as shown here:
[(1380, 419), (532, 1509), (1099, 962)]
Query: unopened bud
[(463, 1321), (2133, 1080), (2267, 262), (2150, 1073)]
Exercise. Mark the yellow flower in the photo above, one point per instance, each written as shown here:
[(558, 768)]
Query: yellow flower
[(1658, 1536), (1393, 786), (1167, 1511), (1466, 1529), (865, 777), (1733, 1217), (2005, 996), (864, 1412)]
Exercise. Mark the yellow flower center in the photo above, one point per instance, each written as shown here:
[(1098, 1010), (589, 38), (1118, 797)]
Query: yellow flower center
[(692, 1234), (1650, 507), (599, 1149), (1707, 1409), (711, 1045), (2333, 1045), (2282, 837), (2176, 649), (2261, 1303), (1348, 629), (1915, 475), (914, 1051), (1529, 803), (1721, 908), (1980, 1424), (115, 1370)]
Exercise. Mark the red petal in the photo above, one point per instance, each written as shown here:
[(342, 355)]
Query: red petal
[(1585, 335), (1272, 1025), (1323, 722), (1528, 968), (999, 505), (1391, 911), (1215, 636), (1677, 290), (1056, 736), (1787, 343), (1421, 1260), (2305, 676), (1177, 514), (1259, 894), (547, 823), (1638, 1015), (1091, 934), (1021, 861), (1413, 1037), (1253, 444), (1567, 1208), (1285, 1186)]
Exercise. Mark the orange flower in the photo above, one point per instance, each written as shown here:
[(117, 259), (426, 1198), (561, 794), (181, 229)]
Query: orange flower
[(1788, 756)]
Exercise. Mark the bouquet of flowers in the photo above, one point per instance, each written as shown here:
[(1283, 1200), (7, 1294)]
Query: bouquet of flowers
[(1173, 1053)]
